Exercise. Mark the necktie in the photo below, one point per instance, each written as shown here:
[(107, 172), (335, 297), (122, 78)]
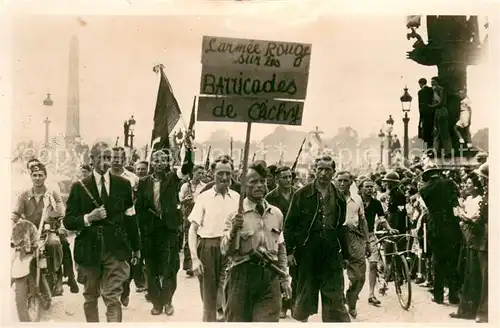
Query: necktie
[(260, 209), (104, 193)]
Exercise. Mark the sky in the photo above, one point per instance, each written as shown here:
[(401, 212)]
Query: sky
[(357, 73)]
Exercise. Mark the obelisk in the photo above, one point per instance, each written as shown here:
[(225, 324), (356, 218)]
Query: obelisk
[(73, 109)]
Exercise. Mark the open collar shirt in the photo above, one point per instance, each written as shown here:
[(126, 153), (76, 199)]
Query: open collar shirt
[(211, 210)]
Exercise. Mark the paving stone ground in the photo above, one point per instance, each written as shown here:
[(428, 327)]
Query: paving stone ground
[(188, 307)]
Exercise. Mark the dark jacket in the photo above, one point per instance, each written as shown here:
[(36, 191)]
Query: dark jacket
[(304, 207), (169, 216), (236, 186), (440, 196), (120, 233), (275, 198)]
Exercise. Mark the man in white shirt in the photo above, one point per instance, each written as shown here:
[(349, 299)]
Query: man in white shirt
[(207, 221), (357, 240), (187, 197), (118, 159)]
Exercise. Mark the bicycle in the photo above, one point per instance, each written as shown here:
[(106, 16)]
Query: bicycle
[(393, 267)]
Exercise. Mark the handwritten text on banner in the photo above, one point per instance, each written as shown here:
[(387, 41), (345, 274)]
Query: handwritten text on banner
[(256, 110), (256, 54), (267, 84)]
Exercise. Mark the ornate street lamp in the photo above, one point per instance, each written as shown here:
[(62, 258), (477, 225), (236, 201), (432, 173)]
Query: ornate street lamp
[(131, 128), (47, 102), (381, 137), (389, 128), (405, 106), (128, 131)]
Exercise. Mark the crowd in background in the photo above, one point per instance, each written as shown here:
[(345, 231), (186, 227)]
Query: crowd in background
[(444, 210)]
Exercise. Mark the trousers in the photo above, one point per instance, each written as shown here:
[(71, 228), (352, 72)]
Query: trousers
[(319, 270), (253, 294), (213, 278), (356, 269), (163, 263), (104, 280)]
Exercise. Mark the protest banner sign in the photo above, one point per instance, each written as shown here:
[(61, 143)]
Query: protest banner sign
[(252, 81)]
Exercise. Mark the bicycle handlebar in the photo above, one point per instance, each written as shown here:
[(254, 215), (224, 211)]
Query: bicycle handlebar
[(398, 236)]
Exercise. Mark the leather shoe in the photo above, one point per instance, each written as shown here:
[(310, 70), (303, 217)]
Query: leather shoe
[(73, 286), (156, 311), (479, 320), (373, 301), (125, 301), (169, 310), (353, 313), (282, 314), (437, 301), (220, 316), (58, 288)]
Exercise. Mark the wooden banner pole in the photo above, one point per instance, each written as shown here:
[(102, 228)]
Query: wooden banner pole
[(246, 150)]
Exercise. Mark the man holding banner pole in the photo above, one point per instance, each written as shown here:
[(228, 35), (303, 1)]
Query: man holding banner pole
[(253, 240)]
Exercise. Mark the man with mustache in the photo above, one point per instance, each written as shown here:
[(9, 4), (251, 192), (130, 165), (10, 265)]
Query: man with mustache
[(316, 244), (207, 221), (253, 240)]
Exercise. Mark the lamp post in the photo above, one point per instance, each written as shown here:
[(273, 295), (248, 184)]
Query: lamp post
[(129, 128), (405, 106), (389, 127), (47, 102), (381, 136)]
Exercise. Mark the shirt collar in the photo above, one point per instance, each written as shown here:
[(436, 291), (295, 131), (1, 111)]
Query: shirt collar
[(228, 193), (249, 206), (98, 176), (31, 192)]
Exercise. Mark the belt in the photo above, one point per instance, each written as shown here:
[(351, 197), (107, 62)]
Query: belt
[(260, 263)]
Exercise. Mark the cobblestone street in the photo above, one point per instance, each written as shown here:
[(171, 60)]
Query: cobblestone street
[(188, 307)]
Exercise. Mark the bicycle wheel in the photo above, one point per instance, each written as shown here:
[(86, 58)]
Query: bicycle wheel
[(402, 280)]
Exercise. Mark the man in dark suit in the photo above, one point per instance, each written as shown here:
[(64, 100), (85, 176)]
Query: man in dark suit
[(98, 208), (161, 225), (426, 120)]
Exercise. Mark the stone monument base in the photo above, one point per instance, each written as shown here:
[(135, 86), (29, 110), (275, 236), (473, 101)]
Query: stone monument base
[(463, 157)]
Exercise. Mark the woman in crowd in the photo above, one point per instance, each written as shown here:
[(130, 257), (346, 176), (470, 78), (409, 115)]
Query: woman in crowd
[(471, 227)]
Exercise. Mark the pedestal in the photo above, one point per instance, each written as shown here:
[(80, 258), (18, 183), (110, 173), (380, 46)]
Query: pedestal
[(463, 157)]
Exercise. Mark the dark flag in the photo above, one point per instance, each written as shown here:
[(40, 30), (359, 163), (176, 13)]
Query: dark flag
[(167, 113), (192, 120)]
